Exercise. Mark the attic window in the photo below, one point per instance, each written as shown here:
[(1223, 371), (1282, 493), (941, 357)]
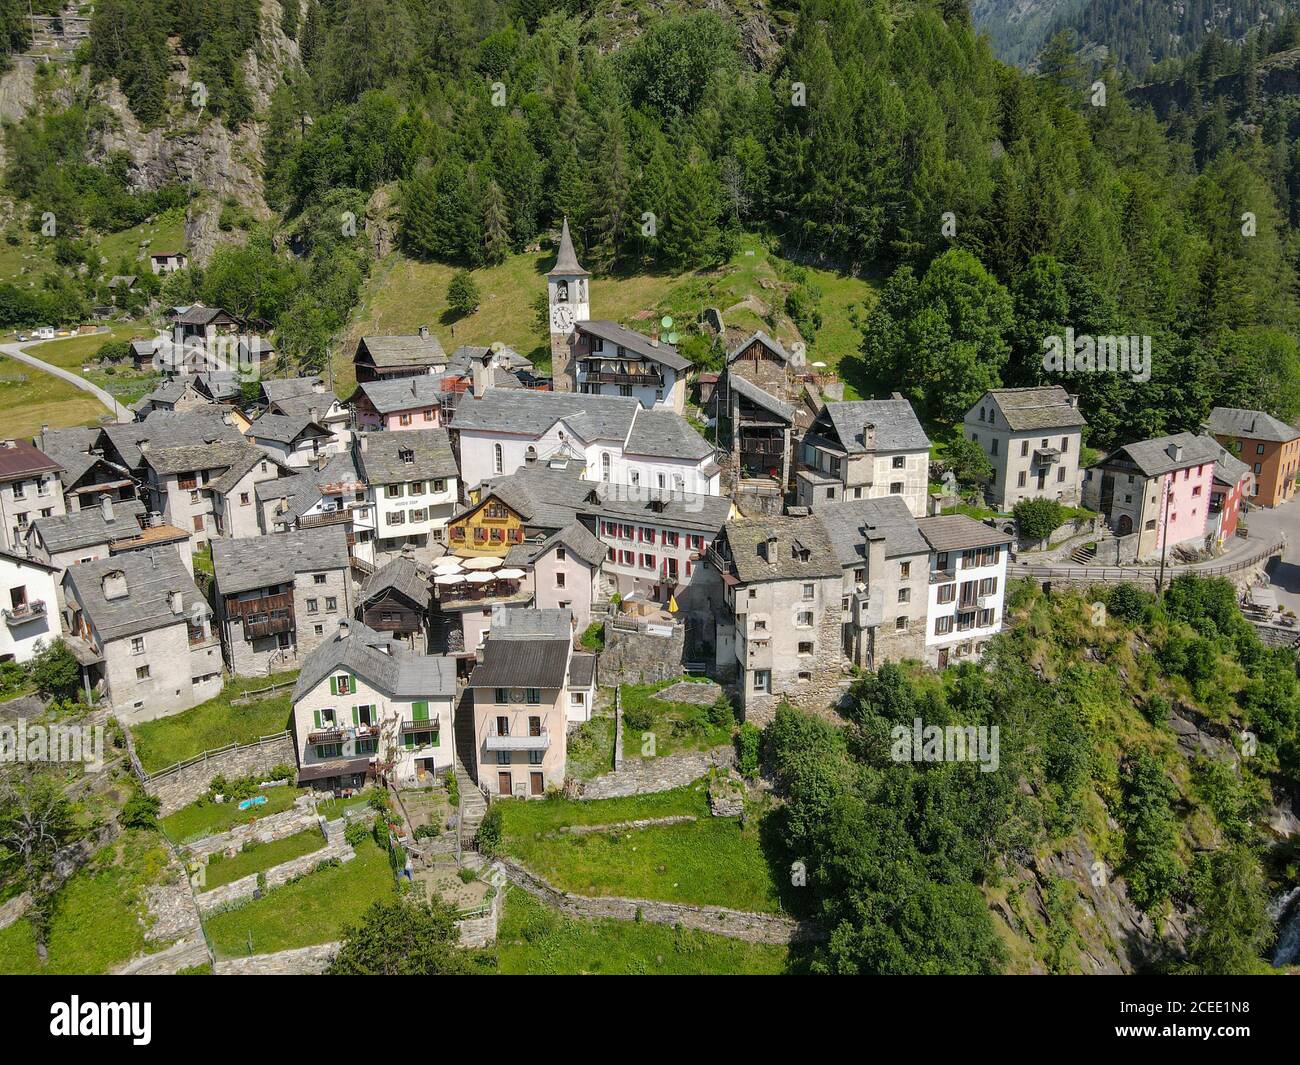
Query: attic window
[(798, 552), (406, 455)]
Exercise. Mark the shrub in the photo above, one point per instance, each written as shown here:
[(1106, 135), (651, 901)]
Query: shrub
[(355, 833), (453, 788), (637, 718), (488, 837), (748, 744), (1037, 519), (466, 875), (430, 831), (462, 293), (720, 713), (141, 810), (1129, 602)]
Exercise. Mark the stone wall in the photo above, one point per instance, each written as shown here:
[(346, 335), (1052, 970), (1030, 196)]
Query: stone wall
[(736, 924), (180, 787), (184, 954), (305, 961), (477, 933), (264, 830), (237, 892), (635, 658), (642, 776)]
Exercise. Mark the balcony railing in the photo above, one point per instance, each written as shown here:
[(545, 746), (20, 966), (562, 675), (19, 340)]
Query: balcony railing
[(604, 377), (942, 576), (1047, 456), (428, 724), (265, 604), (30, 611), (763, 445), (495, 741)]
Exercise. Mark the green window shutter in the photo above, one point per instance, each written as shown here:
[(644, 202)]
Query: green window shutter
[(420, 710), (317, 715), (356, 716), (334, 686), (437, 738), (409, 741)]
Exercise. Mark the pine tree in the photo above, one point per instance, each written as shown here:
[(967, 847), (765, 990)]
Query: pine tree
[(496, 234)]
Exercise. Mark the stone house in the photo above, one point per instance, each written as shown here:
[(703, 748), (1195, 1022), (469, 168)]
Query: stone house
[(86, 475), (379, 357), (1269, 446), (235, 513), (296, 441), (321, 407), (781, 636), (967, 577), (885, 590), (365, 704), (143, 633), (30, 488), (611, 360), (332, 494), (184, 481), (1032, 438), (524, 687), (865, 449), (279, 596), (565, 570), (30, 602)]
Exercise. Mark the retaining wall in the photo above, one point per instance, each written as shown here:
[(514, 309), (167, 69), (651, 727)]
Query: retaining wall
[(237, 892), (304, 961), (176, 788), (642, 776)]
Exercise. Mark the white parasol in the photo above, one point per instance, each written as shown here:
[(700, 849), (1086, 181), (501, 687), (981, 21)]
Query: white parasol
[(510, 574), (486, 562), (480, 578), (448, 578)]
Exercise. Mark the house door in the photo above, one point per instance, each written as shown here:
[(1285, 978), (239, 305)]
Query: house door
[(1125, 525), (503, 784), (943, 657), (535, 783)]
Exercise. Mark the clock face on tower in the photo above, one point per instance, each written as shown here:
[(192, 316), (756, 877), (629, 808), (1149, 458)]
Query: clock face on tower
[(562, 318)]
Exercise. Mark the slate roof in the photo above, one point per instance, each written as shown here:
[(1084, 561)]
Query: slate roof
[(381, 662), (169, 391), (169, 429), (302, 491), (200, 315), (184, 458), (769, 342), (20, 459), (582, 670), (401, 575), (507, 357), (284, 428), (259, 561), (1250, 425), (1033, 409), (218, 385), (661, 352), (521, 663), (545, 498), (566, 259), (761, 397), (679, 510), (544, 623), (401, 393), (82, 528), (151, 577), (530, 413), (896, 426), (244, 462), (575, 538), (745, 535), (71, 448), (1229, 469), (301, 406), (1153, 458), (665, 434), (850, 522), (380, 460), (957, 532), (409, 350), (278, 388)]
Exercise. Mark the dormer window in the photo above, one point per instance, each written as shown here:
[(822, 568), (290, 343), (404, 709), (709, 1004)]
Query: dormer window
[(407, 456)]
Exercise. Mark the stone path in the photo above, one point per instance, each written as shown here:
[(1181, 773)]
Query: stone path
[(17, 352)]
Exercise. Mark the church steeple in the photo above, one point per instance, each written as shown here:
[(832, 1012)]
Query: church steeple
[(566, 262), (566, 288)]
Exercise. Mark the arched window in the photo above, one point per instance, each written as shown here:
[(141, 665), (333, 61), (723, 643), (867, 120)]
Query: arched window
[(561, 292), (530, 454), (498, 460), (604, 466)]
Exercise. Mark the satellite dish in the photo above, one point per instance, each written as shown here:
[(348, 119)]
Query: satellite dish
[(819, 366), (672, 338), (497, 346), (666, 321)]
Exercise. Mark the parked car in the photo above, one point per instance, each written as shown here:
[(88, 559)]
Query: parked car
[(22, 336)]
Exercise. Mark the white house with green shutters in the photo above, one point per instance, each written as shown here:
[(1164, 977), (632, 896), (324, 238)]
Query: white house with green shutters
[(366, 705)]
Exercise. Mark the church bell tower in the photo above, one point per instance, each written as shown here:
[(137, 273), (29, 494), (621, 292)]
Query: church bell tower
[(566, 289)]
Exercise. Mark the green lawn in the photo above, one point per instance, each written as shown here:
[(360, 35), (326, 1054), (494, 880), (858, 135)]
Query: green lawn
[(214, 724), (260, 857), (208, 818), (590, 750), (403, 294), (535, 941), (30, 399), (72, 353), (312, 910), (98, 913), (675, 726), (711, 861)]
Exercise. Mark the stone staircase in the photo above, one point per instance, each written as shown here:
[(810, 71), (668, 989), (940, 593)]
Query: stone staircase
[(1084, 554), (473, 804)]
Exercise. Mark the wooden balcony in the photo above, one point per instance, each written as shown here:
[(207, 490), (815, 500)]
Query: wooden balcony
[(266, 604)]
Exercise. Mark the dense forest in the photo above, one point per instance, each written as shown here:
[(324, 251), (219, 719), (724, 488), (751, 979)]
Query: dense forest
[(994, 207), (905, 858)]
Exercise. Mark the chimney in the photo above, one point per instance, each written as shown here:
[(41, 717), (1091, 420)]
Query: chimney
[(106, 506), (896, 395), (318, 386), (768, 550), (424, 332), (313, 413), (875, 553), (345, 629), (113, 585), (178, 603), (362, 438), (869, 436), (1175, 451), (1074, 400), (484, 371)]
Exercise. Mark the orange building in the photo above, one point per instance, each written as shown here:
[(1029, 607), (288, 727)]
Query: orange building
[(1270, 447)]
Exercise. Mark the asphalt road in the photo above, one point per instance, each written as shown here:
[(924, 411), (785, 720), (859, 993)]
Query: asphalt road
[(19, 353)]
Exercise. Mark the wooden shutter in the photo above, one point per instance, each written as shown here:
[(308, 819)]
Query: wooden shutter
[(356, 716), (334, 686), (316, 714), (420, 711)]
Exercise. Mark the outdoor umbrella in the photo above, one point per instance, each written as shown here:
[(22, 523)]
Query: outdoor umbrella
[(485, 562)]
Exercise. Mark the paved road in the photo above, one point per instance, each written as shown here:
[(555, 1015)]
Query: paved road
[(18, 352), (1284, 572)]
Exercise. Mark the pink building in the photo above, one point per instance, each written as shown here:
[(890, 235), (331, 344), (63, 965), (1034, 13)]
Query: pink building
[(400, 403), (1156, 490)]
